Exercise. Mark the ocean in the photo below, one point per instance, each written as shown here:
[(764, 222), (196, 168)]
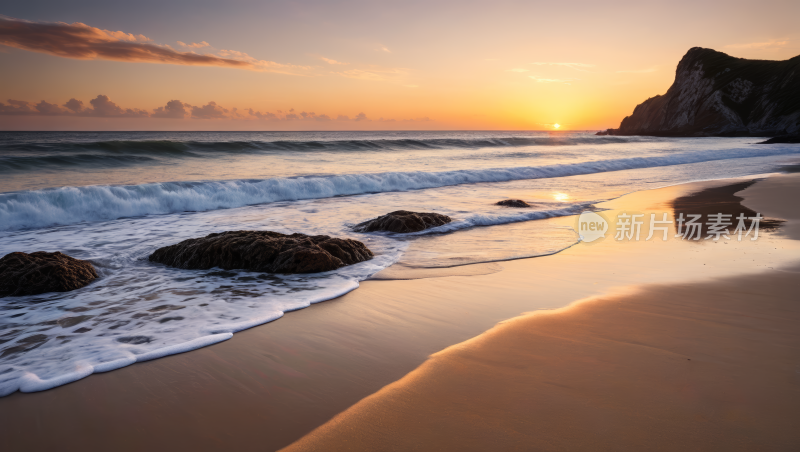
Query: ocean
[(114, 197)]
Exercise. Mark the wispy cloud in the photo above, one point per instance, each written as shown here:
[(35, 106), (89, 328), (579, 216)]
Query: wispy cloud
[(330, 61), (195, 45), (80, 41), (383, 49), (518, 70), (566, 81), (771, 44), (583, 67)]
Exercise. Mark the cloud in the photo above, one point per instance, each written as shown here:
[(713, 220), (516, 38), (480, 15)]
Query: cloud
[(383, 49), (174, 109), (259, 115), (74, 105), (518, 70), (209, 111), (17, 107), (103, 107), (330, 61), (583, 67), (45, 108), (80, 41), (565, 81), (263, 65), (771, 44), (195, 45)]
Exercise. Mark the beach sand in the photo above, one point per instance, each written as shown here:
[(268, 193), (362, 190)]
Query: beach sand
[(704, 366), (269, 386)]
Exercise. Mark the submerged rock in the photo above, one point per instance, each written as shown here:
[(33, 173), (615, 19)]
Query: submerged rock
[(513, 203), (263, 251), (403, 221), (41, 272)]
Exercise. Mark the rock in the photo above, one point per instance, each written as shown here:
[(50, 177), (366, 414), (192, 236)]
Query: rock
[(41, 272), (403, 221), (715, 94), (513, 203), (263, 251), (783, 139)]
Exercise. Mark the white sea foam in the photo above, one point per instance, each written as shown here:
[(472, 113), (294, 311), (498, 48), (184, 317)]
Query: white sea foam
[(486, 219), (139, 311), (70, 205)]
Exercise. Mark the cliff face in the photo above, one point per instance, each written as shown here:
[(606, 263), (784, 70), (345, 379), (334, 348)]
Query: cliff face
[(715, 94)]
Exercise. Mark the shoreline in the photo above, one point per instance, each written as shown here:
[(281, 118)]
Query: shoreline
[(655, 367), (690, 366), (296, 374)]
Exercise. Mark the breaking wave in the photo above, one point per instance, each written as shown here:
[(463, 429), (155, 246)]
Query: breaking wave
[(69, 205)]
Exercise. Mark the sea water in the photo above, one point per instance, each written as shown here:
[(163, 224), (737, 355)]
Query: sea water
[(113, 198)]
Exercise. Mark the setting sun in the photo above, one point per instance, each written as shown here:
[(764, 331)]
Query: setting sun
[(556, 126)]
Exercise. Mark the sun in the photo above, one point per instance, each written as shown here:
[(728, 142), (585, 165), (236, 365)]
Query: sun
[(556, 125)]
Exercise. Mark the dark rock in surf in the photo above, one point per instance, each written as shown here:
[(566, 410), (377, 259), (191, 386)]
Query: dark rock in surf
[(513, 203), (263, 251), (403, 221), (41, 272)]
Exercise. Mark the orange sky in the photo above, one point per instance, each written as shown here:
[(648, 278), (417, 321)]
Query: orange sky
[(416, 65)]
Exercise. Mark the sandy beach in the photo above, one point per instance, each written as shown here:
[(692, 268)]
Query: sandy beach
[(701, 366), (358, 378)]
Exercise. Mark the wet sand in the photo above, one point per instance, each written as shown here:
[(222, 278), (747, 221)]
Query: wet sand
[(704, 366), (271, 385)]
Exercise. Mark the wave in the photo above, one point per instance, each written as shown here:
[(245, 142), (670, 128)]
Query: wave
[(69, 205), (483, 219), (30, 156), (15, 164)]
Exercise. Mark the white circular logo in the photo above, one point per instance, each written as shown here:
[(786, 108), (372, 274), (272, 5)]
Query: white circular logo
[(591, 226)]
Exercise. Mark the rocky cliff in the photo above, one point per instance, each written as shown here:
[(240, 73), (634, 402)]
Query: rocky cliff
[(715, 94)]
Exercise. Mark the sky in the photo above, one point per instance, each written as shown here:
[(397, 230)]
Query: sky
[(361, 65)]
